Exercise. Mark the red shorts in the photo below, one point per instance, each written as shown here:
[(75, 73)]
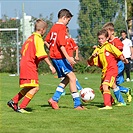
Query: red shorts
[(28, 83), (110, 78)]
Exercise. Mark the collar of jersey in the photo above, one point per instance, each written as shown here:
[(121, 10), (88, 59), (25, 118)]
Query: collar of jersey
[(37, 34), (103, 44)]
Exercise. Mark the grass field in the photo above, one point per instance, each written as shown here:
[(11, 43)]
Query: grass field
[(44, 119)]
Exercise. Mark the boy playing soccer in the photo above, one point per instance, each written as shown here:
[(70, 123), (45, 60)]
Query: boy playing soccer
[(71, 46), (61, 60), (117, 43), (32, 53), (105, 56)]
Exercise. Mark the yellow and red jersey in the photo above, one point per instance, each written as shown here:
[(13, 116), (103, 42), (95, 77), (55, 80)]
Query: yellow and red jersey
[(71, 46), (117, 43), (32, 53), (56, 39), (107, 58)]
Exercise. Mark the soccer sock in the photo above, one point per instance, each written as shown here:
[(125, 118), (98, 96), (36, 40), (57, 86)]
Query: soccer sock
[(19, 96), (78, 85), (58, 93), (107, 98), (26, 100), (118, 95), (76, 99), (123, 89)]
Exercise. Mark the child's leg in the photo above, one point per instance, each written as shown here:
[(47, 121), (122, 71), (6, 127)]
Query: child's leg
[(60, 89), (29, 95), (20, 95), (73, 89), (78, 85), (106, 95), (117, 94)]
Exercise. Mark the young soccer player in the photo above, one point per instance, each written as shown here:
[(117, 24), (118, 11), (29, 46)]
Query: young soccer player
[(32, 53), (105, 56), (117, 43), (61, 60), (71, 46)]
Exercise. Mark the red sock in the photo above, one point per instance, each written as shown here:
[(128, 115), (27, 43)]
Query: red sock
[(107, 98), (26, 100), (18, 97)]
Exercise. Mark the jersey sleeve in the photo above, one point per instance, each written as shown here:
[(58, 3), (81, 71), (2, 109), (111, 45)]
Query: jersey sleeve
[(115, 51), (74, 45), (118, 44), (39, 44)]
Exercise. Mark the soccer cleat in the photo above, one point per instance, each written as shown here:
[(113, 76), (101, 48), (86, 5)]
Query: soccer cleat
[(23, 111), (105, 108), (53, 104), (129, 96), (120, 104), (12, 105), (80, 108), (128, 80)]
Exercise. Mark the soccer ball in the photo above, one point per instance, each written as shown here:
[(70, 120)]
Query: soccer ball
[(87, 94)]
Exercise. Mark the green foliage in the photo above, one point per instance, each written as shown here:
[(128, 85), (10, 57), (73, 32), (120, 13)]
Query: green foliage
[(92, 16), (9, 61)]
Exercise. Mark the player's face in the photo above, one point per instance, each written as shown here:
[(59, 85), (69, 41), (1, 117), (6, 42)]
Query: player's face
[(43, 31), (102, 39), (66, 20), (123, 35)]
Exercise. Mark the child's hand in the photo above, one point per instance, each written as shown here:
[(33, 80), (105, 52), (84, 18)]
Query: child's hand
[(125, 61), (77, 58), (52, 69), (71, 60), (95, 55)]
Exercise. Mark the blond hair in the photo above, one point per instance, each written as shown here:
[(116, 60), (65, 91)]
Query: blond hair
[(108, 26), (40, 24)]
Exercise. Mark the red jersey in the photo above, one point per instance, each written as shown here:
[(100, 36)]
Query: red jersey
[(56, 39), (71, 46), (32, 52), (117, 43)]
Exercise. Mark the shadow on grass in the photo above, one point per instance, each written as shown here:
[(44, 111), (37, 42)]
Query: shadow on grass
[(97, 104)]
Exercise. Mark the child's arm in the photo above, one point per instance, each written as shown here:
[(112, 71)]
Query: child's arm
[(77, 54), (123, 59), (47, 44), (90, 60), (70, 59), (50, 65)]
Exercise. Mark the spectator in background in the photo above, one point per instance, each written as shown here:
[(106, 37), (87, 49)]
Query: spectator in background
[(127, 52)]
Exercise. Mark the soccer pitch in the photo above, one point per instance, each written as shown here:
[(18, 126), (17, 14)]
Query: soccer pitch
[(43, 119)]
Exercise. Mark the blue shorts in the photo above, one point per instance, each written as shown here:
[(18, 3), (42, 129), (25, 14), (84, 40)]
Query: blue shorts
[(62, 67), (120, 77)]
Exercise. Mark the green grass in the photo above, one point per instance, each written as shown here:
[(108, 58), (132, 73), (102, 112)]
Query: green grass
[(43, 119)]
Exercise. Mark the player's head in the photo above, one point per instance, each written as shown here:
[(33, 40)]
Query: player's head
[(109, 27), (123, 34), (102, 36), (40, 26), (67, 32), (64, 16)]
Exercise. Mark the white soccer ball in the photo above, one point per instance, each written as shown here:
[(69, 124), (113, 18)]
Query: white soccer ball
[(87, 94)]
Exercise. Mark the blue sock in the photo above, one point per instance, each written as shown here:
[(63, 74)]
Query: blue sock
[(76, 99), (123, 89), (118, 95), (58, 93), (78, 85)]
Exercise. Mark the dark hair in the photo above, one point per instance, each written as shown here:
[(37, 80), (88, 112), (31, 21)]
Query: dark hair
[(64, 12), (123, 31), (103, 32)]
